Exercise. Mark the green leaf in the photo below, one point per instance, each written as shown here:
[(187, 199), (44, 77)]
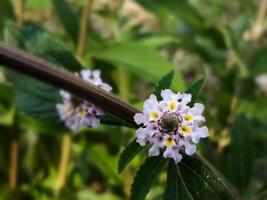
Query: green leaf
[(180, 9), (7, 109), (104, 162), (258, 62), (35, 98), (68, 18), (164, 83), (254, 107), (139, 59), (113, 120), (7, 116), (132, 150), (194, 90), (241, 153), (196, 179), (261, 194), (40, 42), (146, 176), (174, 188), (6, 13), (41, 6), (159, 40)]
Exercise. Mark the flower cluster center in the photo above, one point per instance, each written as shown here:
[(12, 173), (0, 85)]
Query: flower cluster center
[(169, 123)]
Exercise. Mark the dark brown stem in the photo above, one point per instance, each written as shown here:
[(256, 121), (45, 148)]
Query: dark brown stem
[(35, 67)]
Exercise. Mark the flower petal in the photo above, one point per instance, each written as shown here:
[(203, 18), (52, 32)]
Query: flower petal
[(172, 152), (154, 151), (139, 118), (197, 109)]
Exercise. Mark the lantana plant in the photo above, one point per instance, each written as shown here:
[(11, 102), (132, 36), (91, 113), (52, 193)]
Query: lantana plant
[(170, 125)]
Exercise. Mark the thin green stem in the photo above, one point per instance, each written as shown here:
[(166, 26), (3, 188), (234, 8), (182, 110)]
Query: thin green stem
[(20, 10), (123, 84), (63, 164), (14, 152), (82, 40), (243, 71)]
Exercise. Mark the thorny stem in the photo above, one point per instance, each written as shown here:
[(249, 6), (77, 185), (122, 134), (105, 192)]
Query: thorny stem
[(35, 67), (84, 28), (63, 164)]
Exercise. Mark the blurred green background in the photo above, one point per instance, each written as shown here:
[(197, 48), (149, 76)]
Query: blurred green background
[(134, 43)]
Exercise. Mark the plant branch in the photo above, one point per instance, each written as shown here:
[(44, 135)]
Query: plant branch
[(35, 67)]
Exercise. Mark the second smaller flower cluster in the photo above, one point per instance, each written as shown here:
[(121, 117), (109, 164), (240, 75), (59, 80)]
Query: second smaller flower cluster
[(78, 113)]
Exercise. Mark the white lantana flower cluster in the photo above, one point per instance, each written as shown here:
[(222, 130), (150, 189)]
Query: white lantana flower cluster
[(77, 113), (171, 125)]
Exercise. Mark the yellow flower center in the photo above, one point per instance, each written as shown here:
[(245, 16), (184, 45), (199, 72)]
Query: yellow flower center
[(154, 115), (185, 130), (188, 117), (81, 113), (169, 142), (69, 110), (172, 105)]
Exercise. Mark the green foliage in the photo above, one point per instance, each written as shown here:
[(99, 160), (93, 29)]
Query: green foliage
[(6, 13), (7, 109), (68, 18), (164, 83), (132, 150), (87, 194), (219, 40), (139, 59), (105, 163), (40, 42), (241, 153), (146, 176), (175, 188), (195, 178), (258, 62), (35, 98), (113, 120), (194, 90), (181, 10)]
